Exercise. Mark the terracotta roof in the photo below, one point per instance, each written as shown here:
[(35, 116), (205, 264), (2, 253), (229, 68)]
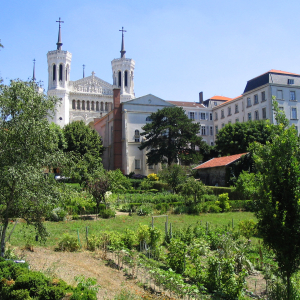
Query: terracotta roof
[(220, 98), (228, 101), (219, 161), (187, 104), (281, 72)]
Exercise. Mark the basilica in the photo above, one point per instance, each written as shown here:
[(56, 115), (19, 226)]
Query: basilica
[(89, 97), (118, 116)]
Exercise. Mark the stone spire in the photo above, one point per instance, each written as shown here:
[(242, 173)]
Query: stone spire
[(122, 45), (59, 43), (33, 75)]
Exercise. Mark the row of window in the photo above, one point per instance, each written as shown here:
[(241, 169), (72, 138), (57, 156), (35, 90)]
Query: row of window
[(90, 105), (201, 115), (255, 99), (60, 72), (120, 78), (292, 95)]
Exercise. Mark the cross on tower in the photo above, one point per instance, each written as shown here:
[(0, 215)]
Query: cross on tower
[(59, 21), (59, 43), (119, 30), (122, 45)]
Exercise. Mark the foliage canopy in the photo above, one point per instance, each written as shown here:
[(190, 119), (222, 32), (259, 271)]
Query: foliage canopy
[(170, 136), (28, 145)]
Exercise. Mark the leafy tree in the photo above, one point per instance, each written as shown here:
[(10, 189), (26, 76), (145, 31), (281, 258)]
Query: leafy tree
[(173, 175), (171, 136), (84, 147), (81, 139), (27, 145), (98, 188), (118, 181), (194, 188), (278, 205), (236, 138)]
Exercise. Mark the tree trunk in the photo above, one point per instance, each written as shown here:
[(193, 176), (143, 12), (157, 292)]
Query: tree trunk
[(288, 288), (3, 235)]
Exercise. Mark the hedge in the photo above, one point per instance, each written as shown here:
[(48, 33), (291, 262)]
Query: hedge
[(233, 195)]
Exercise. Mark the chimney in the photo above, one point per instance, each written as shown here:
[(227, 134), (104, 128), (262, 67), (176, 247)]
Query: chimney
[(201, 97), (117, 130)]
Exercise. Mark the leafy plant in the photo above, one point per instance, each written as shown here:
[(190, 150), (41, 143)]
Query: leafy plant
[(68, 243), (248, 228)]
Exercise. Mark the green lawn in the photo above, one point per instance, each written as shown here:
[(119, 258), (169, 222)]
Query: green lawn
[(22, 233)]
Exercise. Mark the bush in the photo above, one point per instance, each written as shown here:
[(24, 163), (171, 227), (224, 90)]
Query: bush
[(223, 202), (232, 192), (247, 228), (107, 213), (57, 214), (152, 177), (145, 210), (68, 243)]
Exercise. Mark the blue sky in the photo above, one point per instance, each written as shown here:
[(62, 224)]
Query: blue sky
[(180, 47)]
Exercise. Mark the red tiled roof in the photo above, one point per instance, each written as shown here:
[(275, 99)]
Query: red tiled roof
[(187, 104), (228, 101), (220, 161), (220, 98), (281, 72)]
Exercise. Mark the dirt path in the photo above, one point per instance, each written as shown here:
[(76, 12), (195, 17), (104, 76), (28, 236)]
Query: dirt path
[(67, 265)]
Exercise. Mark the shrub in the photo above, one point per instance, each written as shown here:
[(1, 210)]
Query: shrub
[(57, 214), (145, 210), (247, 228), (181, 209), (107, 213), (223, 202), (68, 243), (129, 239), (152, 177), (210, 197)]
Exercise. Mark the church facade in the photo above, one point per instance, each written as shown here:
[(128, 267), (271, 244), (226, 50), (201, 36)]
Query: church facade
[(89, 97)]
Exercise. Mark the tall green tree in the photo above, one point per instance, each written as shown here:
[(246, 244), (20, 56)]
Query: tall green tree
[(84, 147), (236, 138), (173, 175), (171, 136), (27, 146), (278, 204)]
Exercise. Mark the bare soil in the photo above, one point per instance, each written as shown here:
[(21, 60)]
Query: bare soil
[(67, 265)]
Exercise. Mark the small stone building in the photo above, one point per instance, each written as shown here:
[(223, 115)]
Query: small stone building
[(213, 172)]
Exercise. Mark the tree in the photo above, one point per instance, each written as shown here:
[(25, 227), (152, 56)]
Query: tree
[(84, 148), (98, 188), (236, 138), (278, 205), (27, 146), (170, 136), (173, 175), (81, 139)]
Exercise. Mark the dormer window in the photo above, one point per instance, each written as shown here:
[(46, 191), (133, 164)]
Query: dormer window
[(290, 81)]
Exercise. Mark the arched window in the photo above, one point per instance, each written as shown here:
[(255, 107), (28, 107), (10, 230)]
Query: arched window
[(73, 104), (88, 105), (54, 72), (93, 105), (83, 105), (125, 78), (97, 106), (67, 71), (114, 78), (60, 72), (148, 119), (78, 104), (101, 106), (120, 77), (137, 136), (106, 106)]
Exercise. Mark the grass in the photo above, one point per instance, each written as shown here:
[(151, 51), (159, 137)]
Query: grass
[(24, 233)]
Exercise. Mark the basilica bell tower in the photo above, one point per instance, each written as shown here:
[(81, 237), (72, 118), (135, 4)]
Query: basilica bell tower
[(59, 66), (123, 73)]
